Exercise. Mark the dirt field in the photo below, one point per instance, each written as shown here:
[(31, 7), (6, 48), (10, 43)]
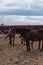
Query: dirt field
[(17, 55)]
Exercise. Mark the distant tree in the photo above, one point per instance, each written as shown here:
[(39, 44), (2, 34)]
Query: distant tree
[(2, 30), (2, 24)]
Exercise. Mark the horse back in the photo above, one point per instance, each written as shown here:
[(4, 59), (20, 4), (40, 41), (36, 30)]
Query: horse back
[(33, 35)]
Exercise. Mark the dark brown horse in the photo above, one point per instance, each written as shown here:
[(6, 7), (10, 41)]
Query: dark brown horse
[(11, 35), (33, 35), (41, 32), (29, 35), (20, 31)]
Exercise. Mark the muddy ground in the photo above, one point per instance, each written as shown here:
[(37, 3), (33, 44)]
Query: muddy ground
[(17, 55)]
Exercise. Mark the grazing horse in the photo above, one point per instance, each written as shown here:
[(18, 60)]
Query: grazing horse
[(11, 35)]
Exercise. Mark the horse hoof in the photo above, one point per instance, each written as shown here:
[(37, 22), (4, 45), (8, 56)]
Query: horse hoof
[(27, 50), (41, 49), (38, 47), (10, 43)]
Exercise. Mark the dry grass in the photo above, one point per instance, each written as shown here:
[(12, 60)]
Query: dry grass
[(17, 55)]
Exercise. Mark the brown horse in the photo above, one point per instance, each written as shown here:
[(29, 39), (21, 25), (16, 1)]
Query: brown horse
[(29, 35), (11, 35), (41, 32), (33, 35)]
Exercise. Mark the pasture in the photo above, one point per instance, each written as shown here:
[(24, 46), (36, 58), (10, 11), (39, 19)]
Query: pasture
[(17, 55)]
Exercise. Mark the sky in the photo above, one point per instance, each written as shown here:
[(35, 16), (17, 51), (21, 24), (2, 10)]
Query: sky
[(21, 12)]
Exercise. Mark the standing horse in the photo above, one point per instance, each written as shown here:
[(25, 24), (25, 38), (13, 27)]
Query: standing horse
[(41, 32), (11, 35), (20, 31), (29, 35), (32, 35)]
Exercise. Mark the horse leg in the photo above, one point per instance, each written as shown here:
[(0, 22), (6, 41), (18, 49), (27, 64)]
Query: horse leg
[(32, 44), (24, 42), (28, 46), (21, 40), (13, 40), (10, 40), (39, 44), (42, 46)]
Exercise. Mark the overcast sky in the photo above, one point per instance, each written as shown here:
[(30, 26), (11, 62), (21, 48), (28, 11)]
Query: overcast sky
[(21, 12)]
